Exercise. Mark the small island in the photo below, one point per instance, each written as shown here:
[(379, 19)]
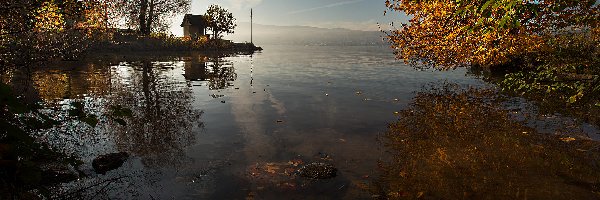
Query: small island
[(200, 33)]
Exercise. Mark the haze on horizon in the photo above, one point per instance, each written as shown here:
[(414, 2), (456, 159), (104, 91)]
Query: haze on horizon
[(349, 14)]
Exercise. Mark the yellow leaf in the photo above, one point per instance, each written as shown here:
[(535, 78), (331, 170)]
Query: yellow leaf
[(567, 139)]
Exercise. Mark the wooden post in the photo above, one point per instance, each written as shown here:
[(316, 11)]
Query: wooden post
[(251, 26)]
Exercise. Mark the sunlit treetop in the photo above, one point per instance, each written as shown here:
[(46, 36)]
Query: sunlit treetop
[(453, 33), (49, 18)]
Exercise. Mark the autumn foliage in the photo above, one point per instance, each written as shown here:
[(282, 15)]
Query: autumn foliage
[(456, 143), (453, 33), (32, 31)]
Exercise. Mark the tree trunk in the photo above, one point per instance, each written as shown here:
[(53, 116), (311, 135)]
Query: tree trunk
[(150, 19), (142, 18)]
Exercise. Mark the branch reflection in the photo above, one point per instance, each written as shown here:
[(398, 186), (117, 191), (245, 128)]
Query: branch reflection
[(163, 121), (219, 73)]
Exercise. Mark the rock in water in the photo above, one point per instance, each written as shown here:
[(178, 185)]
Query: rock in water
[(105, 163), (318, 171), (56, 172)]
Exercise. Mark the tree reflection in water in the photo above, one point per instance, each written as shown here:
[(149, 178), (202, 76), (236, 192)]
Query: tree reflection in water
[(218, 72), (163, 121), (453, 143), (163, 124), (67, 80)]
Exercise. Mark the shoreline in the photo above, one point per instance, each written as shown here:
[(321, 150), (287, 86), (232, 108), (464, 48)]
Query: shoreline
[(142, 47)]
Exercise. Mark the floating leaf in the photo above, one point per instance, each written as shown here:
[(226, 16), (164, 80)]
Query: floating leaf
[(567, 139), (49, 120), (76, 113), (77, 105), (91, 120), (121, 121), (119, 111)]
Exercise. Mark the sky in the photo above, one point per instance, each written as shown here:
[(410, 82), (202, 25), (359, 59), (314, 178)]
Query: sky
[(350, 14)]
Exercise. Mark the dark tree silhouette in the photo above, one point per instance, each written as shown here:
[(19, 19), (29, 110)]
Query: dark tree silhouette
[(220, 21), (151, 15)]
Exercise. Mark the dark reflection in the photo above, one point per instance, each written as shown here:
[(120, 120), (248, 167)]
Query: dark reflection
[(196, 71), (454, 143), (219, 73), (163, 119), (163, 123), (550, 100), (67, 80)]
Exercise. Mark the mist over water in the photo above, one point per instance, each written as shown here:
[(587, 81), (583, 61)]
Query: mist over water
[(305, 35)]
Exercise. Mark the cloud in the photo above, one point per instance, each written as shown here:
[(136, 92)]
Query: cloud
[(325, 6), (243, 4)]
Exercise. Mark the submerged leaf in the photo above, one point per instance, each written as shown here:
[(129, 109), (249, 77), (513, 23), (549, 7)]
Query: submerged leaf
[(567, 139), (121, 121), (77, 105), (119, 111), (91, 120)]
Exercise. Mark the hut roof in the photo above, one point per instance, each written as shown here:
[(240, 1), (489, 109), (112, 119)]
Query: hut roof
[(193, 20)]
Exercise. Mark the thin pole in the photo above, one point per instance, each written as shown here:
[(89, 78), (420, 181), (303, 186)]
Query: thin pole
[(251, 26)]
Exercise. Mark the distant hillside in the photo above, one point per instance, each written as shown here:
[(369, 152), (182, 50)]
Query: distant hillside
[(304, 35)]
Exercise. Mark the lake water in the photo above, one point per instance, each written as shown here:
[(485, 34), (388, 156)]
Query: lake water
[(231, 127)]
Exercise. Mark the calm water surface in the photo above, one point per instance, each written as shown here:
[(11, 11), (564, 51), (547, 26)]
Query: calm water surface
[(232, 127)]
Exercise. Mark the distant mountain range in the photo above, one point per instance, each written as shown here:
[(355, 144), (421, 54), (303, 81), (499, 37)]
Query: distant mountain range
[(304, 35)]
